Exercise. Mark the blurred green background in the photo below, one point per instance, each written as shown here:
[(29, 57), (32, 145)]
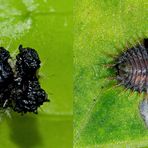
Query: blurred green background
[(45, 25), (106, 116)]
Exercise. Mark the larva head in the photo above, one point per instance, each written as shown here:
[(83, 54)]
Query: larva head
[(123, 70)]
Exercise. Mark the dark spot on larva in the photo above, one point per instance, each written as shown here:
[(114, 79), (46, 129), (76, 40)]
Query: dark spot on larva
[(146, 43), (132, 67)]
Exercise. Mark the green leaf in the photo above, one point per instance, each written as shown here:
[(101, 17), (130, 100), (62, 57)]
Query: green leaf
[(47, 27), (105, 115)]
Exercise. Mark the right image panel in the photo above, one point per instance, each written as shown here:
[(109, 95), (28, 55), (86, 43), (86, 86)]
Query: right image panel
[(110, 73)]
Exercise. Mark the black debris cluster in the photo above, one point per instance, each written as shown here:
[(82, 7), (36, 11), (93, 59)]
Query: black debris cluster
[(19, 86)]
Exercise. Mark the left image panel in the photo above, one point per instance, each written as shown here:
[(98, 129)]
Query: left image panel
[(44, 28)]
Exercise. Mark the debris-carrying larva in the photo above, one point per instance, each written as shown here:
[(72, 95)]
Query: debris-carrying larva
[(132, 72), (19, 88), (6, 79), (27, 94)]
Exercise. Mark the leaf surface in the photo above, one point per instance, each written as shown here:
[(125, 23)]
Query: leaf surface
[(47, 27), (105, 115)]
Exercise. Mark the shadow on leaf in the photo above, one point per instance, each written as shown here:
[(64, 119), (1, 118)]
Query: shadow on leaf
[(24, 131)]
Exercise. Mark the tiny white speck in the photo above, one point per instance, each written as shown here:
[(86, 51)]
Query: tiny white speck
[(52, 9), (65, 23)]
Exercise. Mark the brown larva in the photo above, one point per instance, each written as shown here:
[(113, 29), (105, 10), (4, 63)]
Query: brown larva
[(132, 72), (132, 68)]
